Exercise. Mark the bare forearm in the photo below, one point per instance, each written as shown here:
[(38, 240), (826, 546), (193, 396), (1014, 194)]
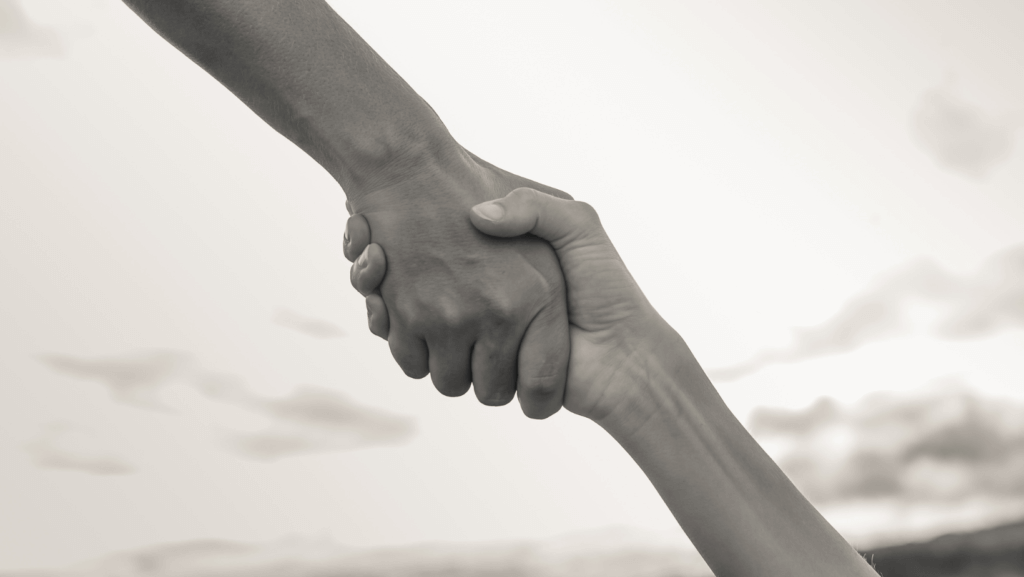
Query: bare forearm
[(307, 73), (735, 504)]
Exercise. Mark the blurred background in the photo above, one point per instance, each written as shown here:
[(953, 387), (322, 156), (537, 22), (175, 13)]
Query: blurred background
[(825, 199)]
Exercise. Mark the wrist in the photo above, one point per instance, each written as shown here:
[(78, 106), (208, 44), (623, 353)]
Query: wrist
[(668, 386), (661, 378), (363, 162), (431, 178)]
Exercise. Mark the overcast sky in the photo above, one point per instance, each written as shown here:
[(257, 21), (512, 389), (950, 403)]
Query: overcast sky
[(825, 200)]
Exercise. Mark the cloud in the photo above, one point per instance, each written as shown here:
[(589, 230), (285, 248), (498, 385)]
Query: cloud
[(992, 300), (315, 419), (310, 326), (66, 446), (136, 379), (20, 36), (967, 306), (958, 136), (946, 444), (309, 420), (576, 556)]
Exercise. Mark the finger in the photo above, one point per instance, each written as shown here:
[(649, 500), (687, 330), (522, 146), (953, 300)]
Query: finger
[(544, 363), (377, 316), (357, 236), (410, 353), (525, 210), (450, 366), (494, 370), (368, 271)]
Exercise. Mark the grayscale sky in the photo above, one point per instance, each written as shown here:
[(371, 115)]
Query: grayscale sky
[(825, 199)]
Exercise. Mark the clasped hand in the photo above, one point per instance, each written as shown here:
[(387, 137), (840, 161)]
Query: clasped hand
[(613, 329), (463, 306)]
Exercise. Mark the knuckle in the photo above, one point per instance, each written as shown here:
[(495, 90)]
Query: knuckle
[(409, 310), (438, 317), (503, 309), (347, 248), (375, 258), (541, 387), (370, 279), (449, 314), (365, 284), (524, 192), (417, 322), (353, 277), (358, 280), (408, 361), (357, 235)]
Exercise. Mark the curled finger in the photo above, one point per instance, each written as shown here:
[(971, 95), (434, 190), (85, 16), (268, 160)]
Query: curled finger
[(450, 364), (357, 236), (494, 369), (544, 363), (368, 271), (377, 316), (410, 353)]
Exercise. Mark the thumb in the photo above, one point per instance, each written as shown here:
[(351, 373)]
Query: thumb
[(525, 210)]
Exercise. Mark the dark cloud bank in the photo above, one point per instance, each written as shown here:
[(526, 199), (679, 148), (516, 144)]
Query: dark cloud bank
[(968, 306), (944, 445), (308, 420)]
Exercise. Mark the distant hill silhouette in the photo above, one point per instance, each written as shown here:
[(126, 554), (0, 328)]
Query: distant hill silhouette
[(993, 552)]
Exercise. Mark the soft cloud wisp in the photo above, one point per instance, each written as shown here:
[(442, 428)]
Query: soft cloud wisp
[(309, 326), (958, 136), (967, 306), (134, 379), (310, 419), (65, 446)]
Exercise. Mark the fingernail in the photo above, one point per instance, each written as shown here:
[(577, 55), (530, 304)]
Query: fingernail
[(491, 211), (344, 237), (361, 261)]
